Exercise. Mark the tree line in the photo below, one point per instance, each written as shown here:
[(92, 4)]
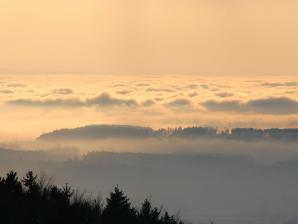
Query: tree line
[(97, 132), (34, 199)]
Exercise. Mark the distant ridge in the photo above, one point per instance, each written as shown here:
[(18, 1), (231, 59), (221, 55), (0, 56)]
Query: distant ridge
[(102, 131), (105, 131)]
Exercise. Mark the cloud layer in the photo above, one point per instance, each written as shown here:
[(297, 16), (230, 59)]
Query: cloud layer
[(63, 91), (104, 100), (281, 105), (280, 84), (56, 101)]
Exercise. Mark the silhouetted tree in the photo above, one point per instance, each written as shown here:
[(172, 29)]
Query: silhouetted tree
[(30, 182), (147, 214), (118, 209), (12, 184), (31, 201), (167, 219)]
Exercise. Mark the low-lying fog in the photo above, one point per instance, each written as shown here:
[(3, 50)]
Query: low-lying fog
[(223, 181)]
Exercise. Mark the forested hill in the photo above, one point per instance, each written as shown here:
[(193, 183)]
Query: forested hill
[(97, 132)]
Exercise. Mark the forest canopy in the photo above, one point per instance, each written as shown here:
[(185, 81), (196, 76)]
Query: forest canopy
[(35, 199)]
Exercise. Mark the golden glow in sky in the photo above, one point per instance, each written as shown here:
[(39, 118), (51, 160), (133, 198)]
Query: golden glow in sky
[(231, 37)]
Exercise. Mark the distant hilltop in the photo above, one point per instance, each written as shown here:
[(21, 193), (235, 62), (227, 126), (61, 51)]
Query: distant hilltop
[(98, 132)]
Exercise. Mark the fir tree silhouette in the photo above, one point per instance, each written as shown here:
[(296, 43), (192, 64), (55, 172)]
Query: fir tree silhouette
[(118, 209), (30, 201), (149, 215)]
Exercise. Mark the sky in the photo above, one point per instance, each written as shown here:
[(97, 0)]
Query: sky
[(206, 37), (157, 63)]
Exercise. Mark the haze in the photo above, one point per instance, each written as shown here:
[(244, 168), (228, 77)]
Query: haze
[(149, 37)]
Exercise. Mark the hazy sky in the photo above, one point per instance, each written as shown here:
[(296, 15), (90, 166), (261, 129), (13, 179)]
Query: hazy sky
[(239, 37)]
